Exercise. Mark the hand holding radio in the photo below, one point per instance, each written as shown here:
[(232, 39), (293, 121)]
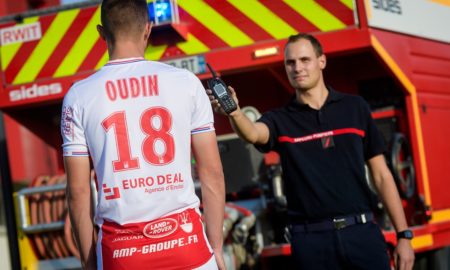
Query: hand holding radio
[(221, 93)]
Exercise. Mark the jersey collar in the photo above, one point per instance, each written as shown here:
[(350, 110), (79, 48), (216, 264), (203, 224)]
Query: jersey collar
[(124, 61)]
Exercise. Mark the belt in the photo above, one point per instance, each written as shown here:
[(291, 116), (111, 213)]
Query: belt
[(337, 223)]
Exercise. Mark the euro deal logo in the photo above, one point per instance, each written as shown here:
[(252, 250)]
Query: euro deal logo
[(35, 91), (160, 228)]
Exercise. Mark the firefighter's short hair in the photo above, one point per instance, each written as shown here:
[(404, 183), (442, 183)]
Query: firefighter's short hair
[(314, 42), (124, 17)]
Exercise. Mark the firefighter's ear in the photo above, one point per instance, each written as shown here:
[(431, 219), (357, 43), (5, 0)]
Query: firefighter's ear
[(322, 61), (101, 31)]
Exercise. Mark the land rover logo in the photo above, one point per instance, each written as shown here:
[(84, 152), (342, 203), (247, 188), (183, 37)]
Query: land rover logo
[(160, 228)]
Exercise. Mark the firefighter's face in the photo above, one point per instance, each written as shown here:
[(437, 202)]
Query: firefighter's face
[(303, 66)]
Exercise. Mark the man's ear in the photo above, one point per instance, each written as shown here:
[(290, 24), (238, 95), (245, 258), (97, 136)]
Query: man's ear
[(101, 31), (322, 61), (148, 30)]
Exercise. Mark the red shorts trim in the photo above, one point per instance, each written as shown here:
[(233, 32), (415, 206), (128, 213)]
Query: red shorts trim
[(172, 242)]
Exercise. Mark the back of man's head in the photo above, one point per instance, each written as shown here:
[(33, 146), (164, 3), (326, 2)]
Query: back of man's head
[(123, 18)]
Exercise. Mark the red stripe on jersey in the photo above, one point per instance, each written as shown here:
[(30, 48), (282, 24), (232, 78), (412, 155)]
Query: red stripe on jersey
[(25, 51), (317, 136), (249, 27), (201, 129)]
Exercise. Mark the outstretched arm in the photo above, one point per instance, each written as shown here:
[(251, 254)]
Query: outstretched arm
[(80, 208), (210, 172), (385, 185), (254, 133)]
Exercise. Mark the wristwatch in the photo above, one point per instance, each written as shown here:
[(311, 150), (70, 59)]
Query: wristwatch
[(406, 234)]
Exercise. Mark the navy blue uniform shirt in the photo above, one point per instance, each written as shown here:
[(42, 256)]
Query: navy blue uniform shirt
[(323, 153)]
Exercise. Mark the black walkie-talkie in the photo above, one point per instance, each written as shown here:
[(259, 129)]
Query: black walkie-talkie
[(220, 92)]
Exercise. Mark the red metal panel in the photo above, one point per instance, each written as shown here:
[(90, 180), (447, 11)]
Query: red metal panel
[(8, 7), (351, 39), (430, 64), (3, 8), (435, 114), (65, 82), (427, 64), (29, 154)]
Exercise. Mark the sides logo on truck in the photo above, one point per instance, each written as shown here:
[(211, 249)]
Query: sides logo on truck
[(160, 228), (35, 91)]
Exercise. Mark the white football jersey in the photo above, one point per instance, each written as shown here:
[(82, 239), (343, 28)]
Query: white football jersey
[(135, 118)]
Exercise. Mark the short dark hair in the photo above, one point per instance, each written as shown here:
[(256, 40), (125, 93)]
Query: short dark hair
[(124, 17), (314, 42)]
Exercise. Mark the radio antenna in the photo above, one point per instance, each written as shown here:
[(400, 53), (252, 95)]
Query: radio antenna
[(212, 71)]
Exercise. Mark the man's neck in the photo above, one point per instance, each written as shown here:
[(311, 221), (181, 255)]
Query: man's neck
[(126, 49), (314, 97)]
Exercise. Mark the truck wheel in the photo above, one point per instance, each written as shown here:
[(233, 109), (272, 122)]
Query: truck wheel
[(402, 165)]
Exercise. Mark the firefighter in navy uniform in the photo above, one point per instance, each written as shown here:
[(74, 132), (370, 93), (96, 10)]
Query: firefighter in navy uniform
[(324, 138)]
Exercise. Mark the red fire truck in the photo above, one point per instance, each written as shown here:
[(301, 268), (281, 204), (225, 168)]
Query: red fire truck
[(394, 53)]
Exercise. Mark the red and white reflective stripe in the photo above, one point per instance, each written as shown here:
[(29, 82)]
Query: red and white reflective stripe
[(320, 135)]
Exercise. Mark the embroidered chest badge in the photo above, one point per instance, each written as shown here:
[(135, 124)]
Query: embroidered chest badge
[(327, 142)]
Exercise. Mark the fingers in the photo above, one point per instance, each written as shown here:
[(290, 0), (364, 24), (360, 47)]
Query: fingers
[(215, 103), (233, 94), (405, 264), (404, 256)]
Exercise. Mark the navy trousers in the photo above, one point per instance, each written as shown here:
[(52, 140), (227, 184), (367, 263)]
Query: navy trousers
[(360, 246)]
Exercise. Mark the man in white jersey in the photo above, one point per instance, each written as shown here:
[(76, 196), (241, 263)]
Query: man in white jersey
[(137, 121)]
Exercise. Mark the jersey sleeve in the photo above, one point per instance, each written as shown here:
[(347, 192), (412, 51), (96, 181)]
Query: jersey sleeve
[(72, 132), (202, 119), (373, 141), (267, 119)]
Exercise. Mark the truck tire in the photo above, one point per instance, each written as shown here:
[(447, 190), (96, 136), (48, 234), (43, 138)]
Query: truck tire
[(402, 165)]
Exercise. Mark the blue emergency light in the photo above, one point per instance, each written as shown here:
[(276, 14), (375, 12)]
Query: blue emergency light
[(166, 22), (161, 11)]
